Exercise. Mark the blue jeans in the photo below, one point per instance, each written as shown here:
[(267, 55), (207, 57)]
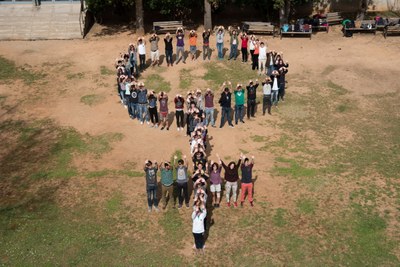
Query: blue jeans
[(134, 110), (220, 48), (134, 68), (239, 113), (168, 56), (270, 69), (152, 196), (225, 112), (180, 52), (274, 96), (209, 116), (233, 53), (143, 112)]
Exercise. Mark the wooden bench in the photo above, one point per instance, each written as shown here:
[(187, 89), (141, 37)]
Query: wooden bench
[(293, 33), (259, 27), (391, 30), (388, 22), (360, 29), (166, 26), (333, 18)]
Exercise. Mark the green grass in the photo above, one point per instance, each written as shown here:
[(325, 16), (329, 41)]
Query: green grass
[(157, 83), (78, 75), (289, 167), (337, 89), (92, 100), (9, 71), (106, 71), (279, 217), (306, 205), (114, 204), (185, 79)]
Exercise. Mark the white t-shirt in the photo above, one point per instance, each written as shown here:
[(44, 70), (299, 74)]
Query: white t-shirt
[(251, 45), (142, 49), (262, 53), (275, 85), (267, 89), (198, 222)]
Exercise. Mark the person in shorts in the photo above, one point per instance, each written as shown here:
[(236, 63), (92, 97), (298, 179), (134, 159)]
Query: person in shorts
[(163, 99), (215, 183), (154, 52), (193, 44)]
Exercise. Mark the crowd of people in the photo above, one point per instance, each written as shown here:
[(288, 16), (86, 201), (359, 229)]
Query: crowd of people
[(196, 112)]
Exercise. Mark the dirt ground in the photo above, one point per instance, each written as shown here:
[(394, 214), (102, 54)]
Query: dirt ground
[(364, 64)]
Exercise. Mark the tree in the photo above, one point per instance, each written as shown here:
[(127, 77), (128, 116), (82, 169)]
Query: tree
[(207, 15), (139, 17)]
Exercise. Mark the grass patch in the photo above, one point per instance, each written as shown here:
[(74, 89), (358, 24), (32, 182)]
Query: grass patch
[(157, 83), (185, 79), (172, 225), (79, 75), (306, 205), (114, 203), (337, 89), (328, 70), (258, 138), (9, 71), (279, 217), (106, 71), (293, 169), (92, 100)]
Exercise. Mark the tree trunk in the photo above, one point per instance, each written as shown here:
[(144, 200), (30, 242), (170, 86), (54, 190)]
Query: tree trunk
[(139, 17), (284, 11), (362, 10), (207, 15)]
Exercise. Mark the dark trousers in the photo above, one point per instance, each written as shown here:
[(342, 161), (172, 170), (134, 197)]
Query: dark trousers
[(225, 112), (142, 59), (281, 92), (179, 118), (168, 56), (244, 54), (199, 240), (183, 193), (267, 104), (255, 62), (152, 195), (153, 115), (251, 55), (251, 106)]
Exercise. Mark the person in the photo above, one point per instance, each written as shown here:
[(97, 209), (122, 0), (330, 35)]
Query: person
[(206, 44), (163, 99), (151, 184), (252, 47), (239, 103), (234, 43), (133, 108), (199, 215), (180, 45), (255, 54), (179, 113), (199, 100), (282, 83), (220, 41), (251, 98), (267, 95), (231, 178), (167, 183), (215, 182), (225, 102), (245, 40), (191, 114), (199, 178), (270, 62), (209, 107), (182, 181), (142, 53), (154, 52), (275, 87), (133, 59), (142, 100), (152, 109), (246, 181), (192, 44), (127, 86), (168, 49), (262, 58)]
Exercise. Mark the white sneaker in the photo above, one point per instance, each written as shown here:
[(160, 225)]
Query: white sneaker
[(141, 122), (178, 129), (125, 106), (156, 208), (148, 122), (149, 209), (181, 128)]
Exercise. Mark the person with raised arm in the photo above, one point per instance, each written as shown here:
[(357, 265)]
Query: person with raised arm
[(225, 102), (231, 178), (182, 180), (151, 169), (251, 98), (167, 183), (215, 182), (239, 103), (246, 181)]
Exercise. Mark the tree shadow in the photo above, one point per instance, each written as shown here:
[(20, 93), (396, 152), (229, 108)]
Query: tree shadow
[(224, 51), (161, 59), (170, 118), (112, 29)]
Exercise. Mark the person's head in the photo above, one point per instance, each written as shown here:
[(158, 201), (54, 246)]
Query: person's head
[(198, 155), (226, 90), (280, 61), (192, 104), (200, 166), (214, 166), (262, 44), (180, 162), (234, 32), (275, 73), (267, 79), (198, 92), (246, 162), (232, 165), (167, 165), (208, 91), (149, 164), (238, 86), (140, 40), (141, 85)]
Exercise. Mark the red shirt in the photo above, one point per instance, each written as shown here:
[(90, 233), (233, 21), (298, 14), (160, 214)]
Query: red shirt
[(244, 42)]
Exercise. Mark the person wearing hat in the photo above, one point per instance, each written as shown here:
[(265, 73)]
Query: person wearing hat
[(282, 83), (209, 107), (233, 42), (239, 103), (179, 113), (152, 107), (151, 169), (231, 178), (180, 45), (193, 43), (168, 49), (163, 99), (206, 44), (267, 90), (141, 44), (154, 52), (220, 41), (142, 101), (167, 183), (225, 102), (251, 98)]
